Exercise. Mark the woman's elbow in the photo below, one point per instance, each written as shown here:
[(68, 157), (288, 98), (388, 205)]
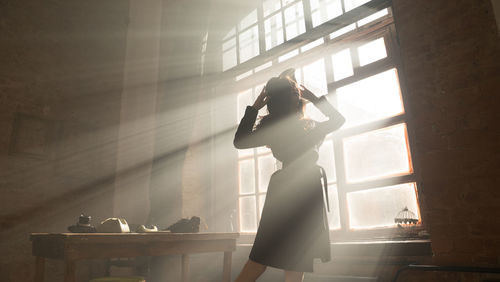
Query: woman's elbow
[(239, 143)]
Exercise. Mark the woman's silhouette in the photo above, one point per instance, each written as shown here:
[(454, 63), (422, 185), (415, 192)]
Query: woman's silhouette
[(293, 229)]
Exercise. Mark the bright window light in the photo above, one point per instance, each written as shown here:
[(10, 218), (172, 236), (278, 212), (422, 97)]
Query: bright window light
[(372, 52), (377, 154), (370, 99), (377, 207), (342, 64)]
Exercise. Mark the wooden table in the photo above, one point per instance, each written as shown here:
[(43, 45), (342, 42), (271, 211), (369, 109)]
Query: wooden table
[(72, 247)]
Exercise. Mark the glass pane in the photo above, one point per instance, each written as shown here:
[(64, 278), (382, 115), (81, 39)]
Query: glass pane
[(372, 51), (313, 44), (294, 20), (267, 166), (230, 33), (378, 207), (247, 176), (249, 44), (249, 20), (342, 64), (327, 160), (315, 77), (271, 6), (244, 99), (324, 10), (262, 200), (288, 55), (274, 31), (248, 214), (229, 44), (377, 154), (334, 213), (245, 152), (229, 59), (370, 99), (314, 113), (286, 2), (342, 31), (373, 17), (351, 4)]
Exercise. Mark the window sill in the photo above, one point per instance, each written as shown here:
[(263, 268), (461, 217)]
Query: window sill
[(375, 248)]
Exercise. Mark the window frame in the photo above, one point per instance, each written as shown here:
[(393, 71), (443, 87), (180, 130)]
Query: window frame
[(381, 27)]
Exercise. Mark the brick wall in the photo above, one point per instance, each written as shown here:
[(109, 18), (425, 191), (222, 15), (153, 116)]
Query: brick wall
[(451, 56), (61, 74)]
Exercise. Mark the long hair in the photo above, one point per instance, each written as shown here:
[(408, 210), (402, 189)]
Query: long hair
[(284, 100)]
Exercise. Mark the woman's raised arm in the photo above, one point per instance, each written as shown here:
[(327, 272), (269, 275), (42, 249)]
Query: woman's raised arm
[(335, 119)]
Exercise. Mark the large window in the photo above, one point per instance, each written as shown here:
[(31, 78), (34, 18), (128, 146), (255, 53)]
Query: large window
[(368, 160)]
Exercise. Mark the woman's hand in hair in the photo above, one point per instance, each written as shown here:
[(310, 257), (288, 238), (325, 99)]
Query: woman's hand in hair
[(308, 95), (261, 101)]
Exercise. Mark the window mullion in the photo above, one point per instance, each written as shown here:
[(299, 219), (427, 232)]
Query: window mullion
[(260, 24), (342, 195), (307, 14)]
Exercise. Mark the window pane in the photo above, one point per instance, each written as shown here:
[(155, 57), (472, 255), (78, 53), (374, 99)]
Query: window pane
[(378, 207), (342, 64), (373, 17), (377, 154), (271, 6), (267, 166), (351, 4), (231, 32), (294, 20), (370, 99), (312, 44), (229, 59), (326, 160), (248, 214), (249, 44), (324, 10), (315, 77), (274, 31), (372, 51), (334, 213), (342, 31), (244, 100), (314, 113), (249, 20), (262, 200), (247, 176)]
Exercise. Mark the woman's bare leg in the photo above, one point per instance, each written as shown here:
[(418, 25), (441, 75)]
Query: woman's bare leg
[(293, 276), (251, 271)]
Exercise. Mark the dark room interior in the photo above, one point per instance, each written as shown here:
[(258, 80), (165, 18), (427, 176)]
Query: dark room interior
[(128, 109)]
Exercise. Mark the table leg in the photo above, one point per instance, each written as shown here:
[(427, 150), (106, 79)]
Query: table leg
[(39, 269), (226, 271), (70, 271), (185, 268)]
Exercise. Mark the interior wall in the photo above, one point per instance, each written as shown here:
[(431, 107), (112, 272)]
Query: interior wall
[(451, 57), (61, 75), (496, 8)]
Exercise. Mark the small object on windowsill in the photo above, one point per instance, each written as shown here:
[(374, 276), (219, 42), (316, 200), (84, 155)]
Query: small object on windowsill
[(407, 223), (83, 225)]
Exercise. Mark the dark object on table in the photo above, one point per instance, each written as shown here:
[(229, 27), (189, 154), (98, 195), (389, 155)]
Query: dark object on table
[(83, 225), (185, 225)]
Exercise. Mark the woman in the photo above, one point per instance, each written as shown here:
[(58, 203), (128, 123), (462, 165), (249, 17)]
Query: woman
[(293, 229)]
